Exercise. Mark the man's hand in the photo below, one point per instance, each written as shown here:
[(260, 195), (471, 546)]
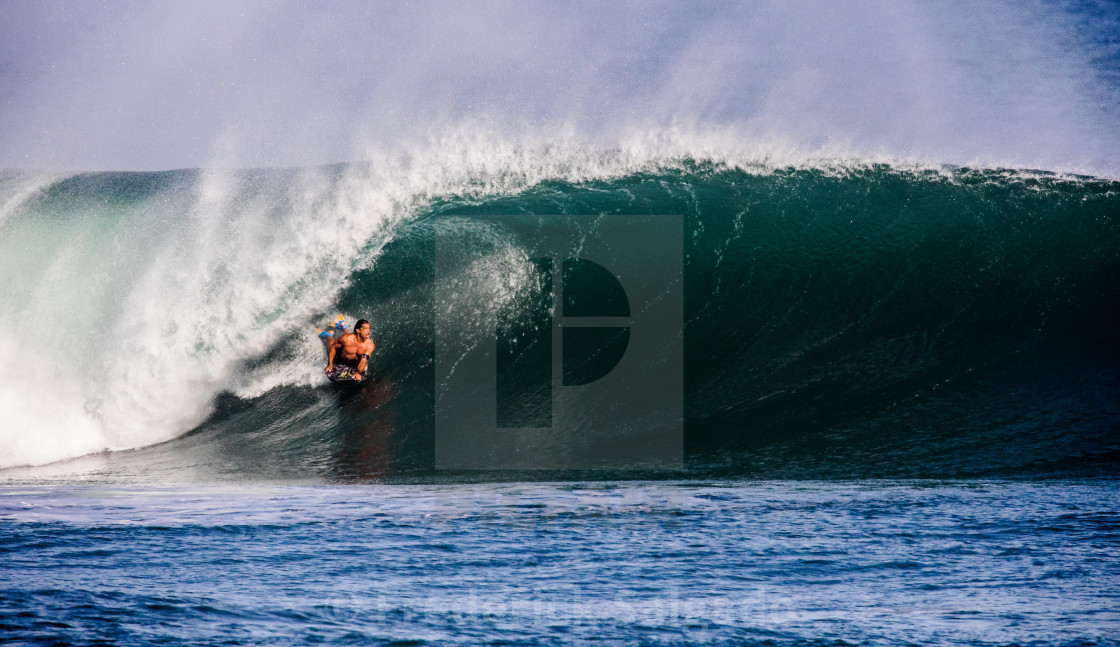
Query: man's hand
[(328, 368)]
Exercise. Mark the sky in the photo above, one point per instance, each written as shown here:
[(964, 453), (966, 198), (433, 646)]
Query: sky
[(129, 85)]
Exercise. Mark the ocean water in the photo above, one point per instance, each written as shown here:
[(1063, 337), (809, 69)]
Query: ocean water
[(837, 321), (898, 393), (666, 562), (900, 412)]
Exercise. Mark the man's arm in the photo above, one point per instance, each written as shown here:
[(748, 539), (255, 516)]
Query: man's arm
[(330, 355), (364, 355)]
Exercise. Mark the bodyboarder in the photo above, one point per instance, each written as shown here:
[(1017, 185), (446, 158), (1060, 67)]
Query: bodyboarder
[(348, 354)]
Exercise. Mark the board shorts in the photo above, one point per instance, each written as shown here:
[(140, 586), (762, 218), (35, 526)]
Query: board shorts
[(344, 370)]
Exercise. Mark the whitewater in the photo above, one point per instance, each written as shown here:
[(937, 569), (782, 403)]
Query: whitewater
[(176, 279)]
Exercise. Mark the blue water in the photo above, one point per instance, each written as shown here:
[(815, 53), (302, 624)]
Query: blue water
[(764, 562)]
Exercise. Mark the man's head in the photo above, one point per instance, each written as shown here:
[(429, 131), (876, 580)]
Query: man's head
[(361, 329)]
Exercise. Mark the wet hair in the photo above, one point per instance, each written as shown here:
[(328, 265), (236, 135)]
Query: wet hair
[(359, 324)]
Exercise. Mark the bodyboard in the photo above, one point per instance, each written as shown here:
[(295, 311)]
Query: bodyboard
[(342, 373)]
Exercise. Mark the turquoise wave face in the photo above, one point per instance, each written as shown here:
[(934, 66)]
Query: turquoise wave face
[(836, 322), (858, 323)]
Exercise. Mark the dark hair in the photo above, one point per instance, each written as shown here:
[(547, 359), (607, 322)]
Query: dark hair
[(359, 324)]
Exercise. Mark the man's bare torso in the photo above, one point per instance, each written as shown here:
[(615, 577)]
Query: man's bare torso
[(350, 347)]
